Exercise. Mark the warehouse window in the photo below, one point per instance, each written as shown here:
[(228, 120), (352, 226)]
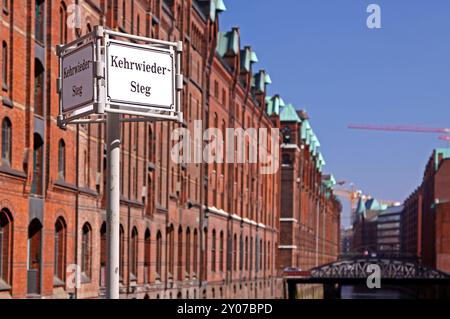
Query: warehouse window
[(86, 248), (62, 23), (38, 88), (171, 241), (235, 256), (138, 25), (121, 252), (147, 256), (188, 252), (134, 253), (180, 253), (124, 13), (246, 253), (103, 255), (5, 65), (6, 141), (61, 159), (221, 263), (213, 251), (39, 20), (38, 168), (5, 246), (60, 249), (158, 255), (195, 255)]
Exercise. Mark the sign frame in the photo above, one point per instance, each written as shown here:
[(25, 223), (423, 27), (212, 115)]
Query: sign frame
[(139, 105), (95, 111)]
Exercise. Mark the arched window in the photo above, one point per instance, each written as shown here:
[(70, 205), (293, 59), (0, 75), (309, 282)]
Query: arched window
[(62, 23), (134, 253), (62, 160), (86, 249), (5, 65), (235, 256), (195, 254), (121, 251), (147, 256), (60, 250), (6, 223), (158, 255), (180, 253), (171, 242), (188, 252), (246, 253), (213, 251), (103, 255), (221, 263), (6, 141), (34, 257), (38, 167), (241, 252), (38, 88)]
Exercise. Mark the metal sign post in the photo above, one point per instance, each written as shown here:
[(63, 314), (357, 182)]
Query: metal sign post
[(101, 79)]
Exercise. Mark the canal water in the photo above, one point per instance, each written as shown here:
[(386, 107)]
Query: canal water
[(358, 292)]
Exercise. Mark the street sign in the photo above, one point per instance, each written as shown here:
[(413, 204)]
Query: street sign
[(140, 77), (100, 80), (77, 80)]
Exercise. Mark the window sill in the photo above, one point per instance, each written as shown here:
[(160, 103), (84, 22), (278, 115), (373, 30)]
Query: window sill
[(7, 102), (58, 282), (63, 184), (10, 171), (4, 286), (85, 279)]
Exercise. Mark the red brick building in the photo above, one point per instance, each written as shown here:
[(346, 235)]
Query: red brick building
[(187, 231), (310, 213), (426, 216), (190, 230)]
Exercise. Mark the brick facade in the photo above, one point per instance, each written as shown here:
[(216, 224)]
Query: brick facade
[(425, 218), (192, 230)]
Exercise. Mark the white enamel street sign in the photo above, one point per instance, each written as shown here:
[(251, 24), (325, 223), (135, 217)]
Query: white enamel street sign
[(140, 77), (78, 78)]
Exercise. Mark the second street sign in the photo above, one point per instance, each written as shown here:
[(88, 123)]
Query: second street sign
[(78, 78), (138, 76)]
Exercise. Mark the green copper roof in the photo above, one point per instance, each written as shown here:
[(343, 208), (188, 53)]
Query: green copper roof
[(268, 79), (361, 208), (443, 153), (253, 57), (216, 6), (329, 181), (248, 57), (260, 80), (373, 204), (274, 104), (305, 127), (228, 43), (289, 114)]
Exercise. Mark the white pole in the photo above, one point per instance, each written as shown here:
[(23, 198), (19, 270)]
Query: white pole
[(113, 205)]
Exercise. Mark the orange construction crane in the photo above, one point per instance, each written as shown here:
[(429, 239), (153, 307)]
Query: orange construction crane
[(404, 128)]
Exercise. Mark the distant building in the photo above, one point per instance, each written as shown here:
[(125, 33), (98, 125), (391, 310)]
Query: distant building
[(346, 241), (426, 215), (389, 231)]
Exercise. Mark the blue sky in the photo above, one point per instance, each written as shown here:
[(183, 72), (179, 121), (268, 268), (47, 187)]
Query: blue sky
[(322, 57)]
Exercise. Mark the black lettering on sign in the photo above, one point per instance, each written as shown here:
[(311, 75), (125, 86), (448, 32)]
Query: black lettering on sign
[(77, 91), (141, 89)]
